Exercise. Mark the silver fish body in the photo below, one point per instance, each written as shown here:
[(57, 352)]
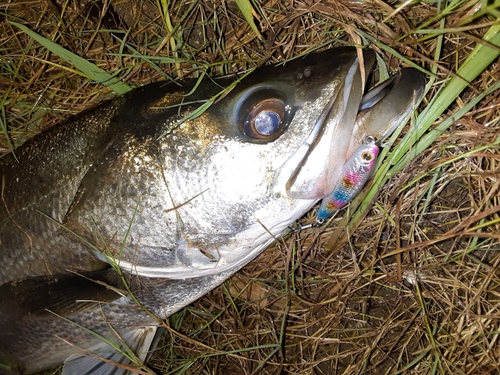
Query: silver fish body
[(121, 216)]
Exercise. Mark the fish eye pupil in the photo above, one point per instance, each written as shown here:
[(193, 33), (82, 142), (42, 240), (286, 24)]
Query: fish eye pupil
[(267, 122)]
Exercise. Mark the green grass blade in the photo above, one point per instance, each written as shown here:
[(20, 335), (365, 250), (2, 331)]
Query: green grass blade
[(415, 140), (474, 65), (248, 11), (390, 50), (84, 67)]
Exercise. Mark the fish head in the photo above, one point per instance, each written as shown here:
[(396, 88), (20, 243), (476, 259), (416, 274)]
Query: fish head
[(233, 172), (257, 160), (234, 178)]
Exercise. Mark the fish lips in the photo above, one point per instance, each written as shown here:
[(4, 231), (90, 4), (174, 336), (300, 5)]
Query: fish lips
[(347, 119)]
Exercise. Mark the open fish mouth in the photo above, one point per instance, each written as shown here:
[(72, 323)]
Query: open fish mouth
[(350, 117)]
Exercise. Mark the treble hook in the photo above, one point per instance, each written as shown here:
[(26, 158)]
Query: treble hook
[(302, 227)]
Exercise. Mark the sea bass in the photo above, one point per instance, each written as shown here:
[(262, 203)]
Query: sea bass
[(115, 219)]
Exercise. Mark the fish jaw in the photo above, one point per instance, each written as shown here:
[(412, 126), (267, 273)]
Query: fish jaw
[(388, 106), (326, 148), (350, 118)]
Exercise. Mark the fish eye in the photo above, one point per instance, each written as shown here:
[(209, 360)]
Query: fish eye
[(262, 113), (265, 120)]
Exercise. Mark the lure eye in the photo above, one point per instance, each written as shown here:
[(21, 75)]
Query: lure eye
[(367, 156), (264, 121)]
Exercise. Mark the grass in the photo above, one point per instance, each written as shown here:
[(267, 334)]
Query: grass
[(410, 284)]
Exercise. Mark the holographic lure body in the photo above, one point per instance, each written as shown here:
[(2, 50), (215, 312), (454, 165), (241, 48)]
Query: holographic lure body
[(355, 173)]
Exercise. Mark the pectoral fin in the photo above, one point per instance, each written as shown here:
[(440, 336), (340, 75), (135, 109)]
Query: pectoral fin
[(66, 315), (124, 358)]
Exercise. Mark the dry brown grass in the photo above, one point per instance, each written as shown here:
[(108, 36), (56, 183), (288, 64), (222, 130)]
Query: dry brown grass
[(414, 290)]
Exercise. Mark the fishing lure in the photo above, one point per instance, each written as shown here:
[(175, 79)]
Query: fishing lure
[(355, 173)]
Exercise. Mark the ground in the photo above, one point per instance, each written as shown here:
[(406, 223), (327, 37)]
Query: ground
[(403, 281)]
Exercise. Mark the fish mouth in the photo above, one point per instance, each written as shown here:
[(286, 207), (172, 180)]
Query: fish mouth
[(347, 119), (385, 107), (320, 157)]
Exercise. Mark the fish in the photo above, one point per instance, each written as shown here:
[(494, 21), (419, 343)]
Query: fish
[(355, 173), (116, 218)]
